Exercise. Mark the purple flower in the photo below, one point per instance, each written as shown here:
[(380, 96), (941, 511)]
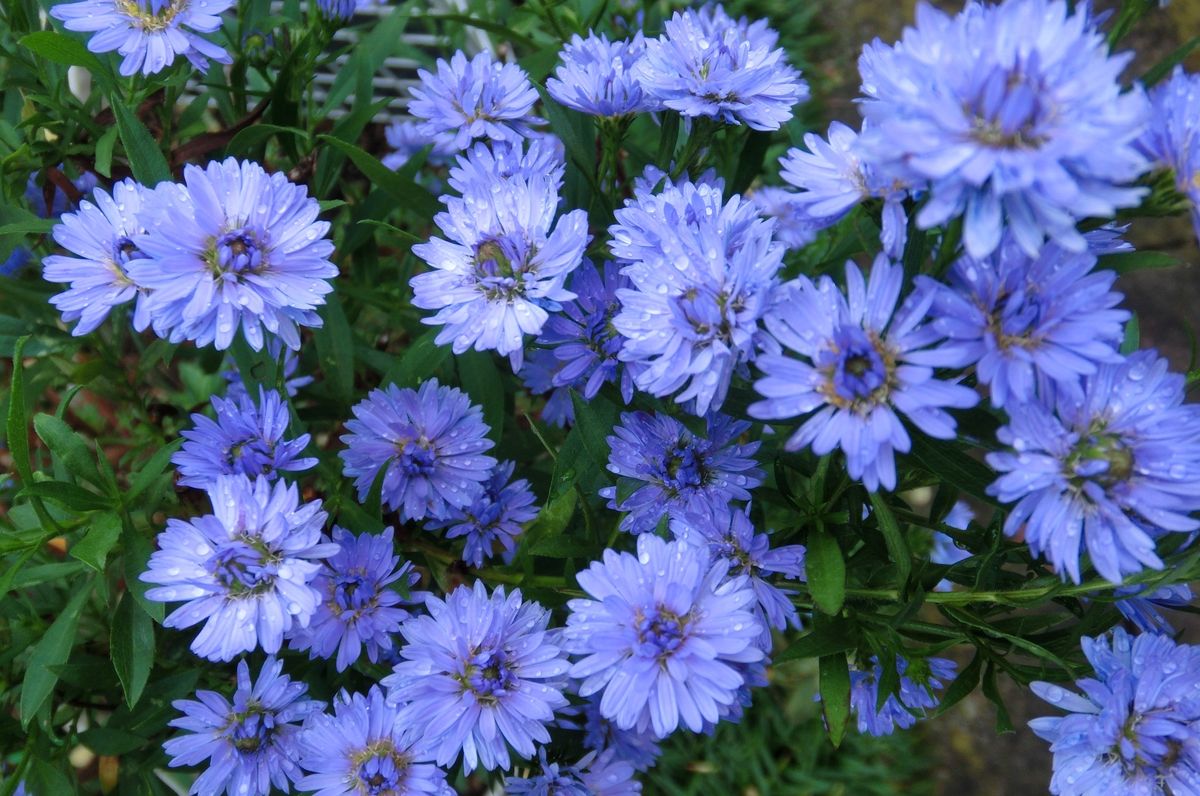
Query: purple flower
[(945, 551), (245, 439), (671, 470), (531, 160), (578, 347), (707, 64), (793, 228), (1172, 138), (250, 744), (359, 606), (100, 235), (407, 139), (493, 519), (1112, 470), (233, 246), (662, 636), (1134, 729), (60, 202), (479, 675), (866, 365), (431, 443), (148, 34), (703, 272), (1140, 605), (245, 570), (362, 749), (918, 680), (479, 98), (726, 534), (596, 774), (503, 269), (638, 747), (1013, 116), (1023, 321), (833, 178), (596, 76)]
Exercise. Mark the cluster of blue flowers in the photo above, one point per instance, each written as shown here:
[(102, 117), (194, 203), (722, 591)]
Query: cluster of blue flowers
[(1008, 120)]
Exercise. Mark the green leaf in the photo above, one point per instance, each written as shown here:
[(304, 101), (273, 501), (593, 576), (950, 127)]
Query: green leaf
[(16, 431), (1175, 57), (70, 450), (151, 471), (750, 161), (826, 571), (1127, 262), (481, 379), (131, 642), (62, 49), (406, 192), (335, 347), (893, 537), (835, 695), (69, 495), (595, 420), (145, 157), (52, 650), (136, 561), (93, 548), (36, 226), (420, 361), (259, 132), (1133, 336), (827, 639), (963, 685), (549, 524), (104, 152), (404, 235), (109, 741), (992, 692), (948, 462)]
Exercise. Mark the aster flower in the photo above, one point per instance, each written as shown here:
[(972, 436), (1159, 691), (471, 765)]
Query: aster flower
[(1140, 605), (596, 76), (596, 774), (531, 160), (245, 570), (1172, 137), (503, 269), (1023, 321), (479, 98), (538, 375), (944, 550), (480, 675), (100, 235), (727, 534), (1111, 471), (148, 34), (662, 635), (1014, 117), (706, 64), (430, 441), (867, 365), (406, 139), (341, 11), (793, 227), (358, 608), (292, 383), (1134, 729), (494, 518), (578, 346), (898, 710), (249, 743), (233, 246), (703, 273), (362, 750), (245, 439), (637, 747), (673, 470), (833, 178), (59, 201)]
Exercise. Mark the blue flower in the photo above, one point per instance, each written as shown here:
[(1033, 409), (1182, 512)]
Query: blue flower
[(945, 551), (866, 365), (233, 246), (1023, 322), (793, 227), (430, 441), (1015, 130), (703, 273), (359, 606), (503, 269), (479, 98), (1134, 729), (59, 201), (596, 76), (245, 439), (479, 675), (531, 160), (362, 749), (406, 139), (579, 346), (727, 534), (1172, 137), (898, 710), (672, 470), (1112, 470), (292, 383), (148, 34), (662, 636), (1140, 606), (245, 570), (596, 774), (101, 236), (249, 743), (833, 178), (340, 10), (638, 747), (707, 64), (493, 519)]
